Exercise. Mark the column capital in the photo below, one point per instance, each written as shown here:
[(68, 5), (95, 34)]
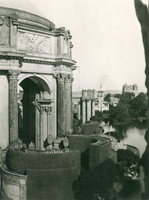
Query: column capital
[(42, 108), (49, 110), (13, 73), (60, 76), (68, 78)]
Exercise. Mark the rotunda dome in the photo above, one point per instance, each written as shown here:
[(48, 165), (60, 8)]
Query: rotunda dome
[(22, 5)]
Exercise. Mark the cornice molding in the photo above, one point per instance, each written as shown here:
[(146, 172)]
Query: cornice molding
[(55, 62)]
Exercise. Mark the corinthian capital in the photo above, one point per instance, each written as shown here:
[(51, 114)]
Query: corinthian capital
[(60, 76), (68, 78), (13, 73)]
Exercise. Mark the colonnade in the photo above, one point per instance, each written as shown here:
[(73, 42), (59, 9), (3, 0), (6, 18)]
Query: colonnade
[(43, 110), (88, 105)]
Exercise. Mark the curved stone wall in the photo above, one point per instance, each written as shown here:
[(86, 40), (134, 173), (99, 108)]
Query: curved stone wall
[(49, 176), (13, 185)]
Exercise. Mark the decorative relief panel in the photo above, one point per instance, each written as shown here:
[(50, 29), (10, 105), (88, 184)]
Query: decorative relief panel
[(4, 31), (9, 178), (33, 42)]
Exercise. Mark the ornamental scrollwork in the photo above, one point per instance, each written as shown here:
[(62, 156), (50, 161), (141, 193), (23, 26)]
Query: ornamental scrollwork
[(66, 35), (33, 42)]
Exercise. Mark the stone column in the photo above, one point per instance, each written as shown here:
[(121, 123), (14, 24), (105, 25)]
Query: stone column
[(88, 109), (93, 107), (37, 125), (71, 103), (79, 111), (83, 111), (13, 106), (60, 105), (42, 127), (68, 104)]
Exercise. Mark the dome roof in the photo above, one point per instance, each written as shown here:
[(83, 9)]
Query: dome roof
[(23, 5)]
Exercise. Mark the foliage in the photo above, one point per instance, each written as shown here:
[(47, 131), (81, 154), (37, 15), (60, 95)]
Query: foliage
[(117, 96), (139, 104), (129, 107), (107, 98), (98, 181), (126, 97), (127, 157)]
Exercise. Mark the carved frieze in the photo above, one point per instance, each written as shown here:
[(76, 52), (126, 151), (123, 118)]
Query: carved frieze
[(4, 31), (33, 42), (10, 62), (9, 178)]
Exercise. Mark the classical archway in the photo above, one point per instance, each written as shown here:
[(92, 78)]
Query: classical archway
[(34, 110)]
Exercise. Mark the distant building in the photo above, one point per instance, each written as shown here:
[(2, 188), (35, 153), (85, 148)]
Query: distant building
[(85, 103), (131, 88)]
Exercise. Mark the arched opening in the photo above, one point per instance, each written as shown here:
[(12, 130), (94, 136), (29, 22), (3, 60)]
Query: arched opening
[(34, 103)]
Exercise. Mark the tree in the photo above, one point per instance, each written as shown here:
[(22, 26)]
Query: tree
[(126, 97), (139, 104), (107, 98), (117, 96)]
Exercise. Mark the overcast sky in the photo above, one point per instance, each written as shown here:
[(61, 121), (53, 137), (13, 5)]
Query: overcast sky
[(107, 41)]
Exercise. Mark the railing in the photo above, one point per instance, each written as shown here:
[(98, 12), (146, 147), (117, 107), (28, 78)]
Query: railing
[(48, 151)]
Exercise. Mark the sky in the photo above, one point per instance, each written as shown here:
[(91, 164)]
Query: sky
[(107, 41)]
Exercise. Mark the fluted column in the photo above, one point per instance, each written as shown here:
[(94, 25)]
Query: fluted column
[(68, 104), (13, 106), (60, 105)]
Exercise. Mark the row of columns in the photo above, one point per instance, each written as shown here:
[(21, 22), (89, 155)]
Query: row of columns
[(64, 103), (88, 109)]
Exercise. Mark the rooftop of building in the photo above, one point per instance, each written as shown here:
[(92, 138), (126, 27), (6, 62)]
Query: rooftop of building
[(22, 5)]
